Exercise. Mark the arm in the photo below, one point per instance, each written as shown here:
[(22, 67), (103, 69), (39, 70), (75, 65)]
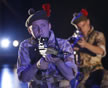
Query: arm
[(99, 48), (25, 70), (64, 67), (66, 71), (94, 49), (67, 67), (28, 73)]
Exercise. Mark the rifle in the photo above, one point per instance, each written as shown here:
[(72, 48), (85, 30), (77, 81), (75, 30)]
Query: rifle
[(44, 49)]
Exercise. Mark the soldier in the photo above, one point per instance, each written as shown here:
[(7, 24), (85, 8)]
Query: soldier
[(91, 48), (41, 69)]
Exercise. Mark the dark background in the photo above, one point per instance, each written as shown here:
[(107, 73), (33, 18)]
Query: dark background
[(13, 14)]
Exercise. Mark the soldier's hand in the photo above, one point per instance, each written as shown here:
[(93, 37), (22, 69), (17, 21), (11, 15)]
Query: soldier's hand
[(42, 64), (76, 48), (82, 43)]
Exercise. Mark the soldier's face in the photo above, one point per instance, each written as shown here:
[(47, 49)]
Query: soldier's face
[(40, 28), (83, 25)]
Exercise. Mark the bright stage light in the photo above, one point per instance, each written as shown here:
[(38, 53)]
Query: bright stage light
[(15, 43), (5, 43)]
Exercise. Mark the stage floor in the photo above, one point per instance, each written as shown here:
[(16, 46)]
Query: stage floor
[(9, 78)]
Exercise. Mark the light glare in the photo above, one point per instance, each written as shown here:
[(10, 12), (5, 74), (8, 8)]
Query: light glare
[(5, 43), (15, 43)]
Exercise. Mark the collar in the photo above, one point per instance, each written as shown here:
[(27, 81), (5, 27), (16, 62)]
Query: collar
[(90, 31), (52, 37)]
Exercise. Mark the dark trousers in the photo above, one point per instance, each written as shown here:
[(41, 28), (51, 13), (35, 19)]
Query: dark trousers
[(94, 80)]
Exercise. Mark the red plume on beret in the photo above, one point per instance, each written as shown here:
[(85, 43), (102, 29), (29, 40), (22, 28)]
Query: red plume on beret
[(84, 12), (47, 7)]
